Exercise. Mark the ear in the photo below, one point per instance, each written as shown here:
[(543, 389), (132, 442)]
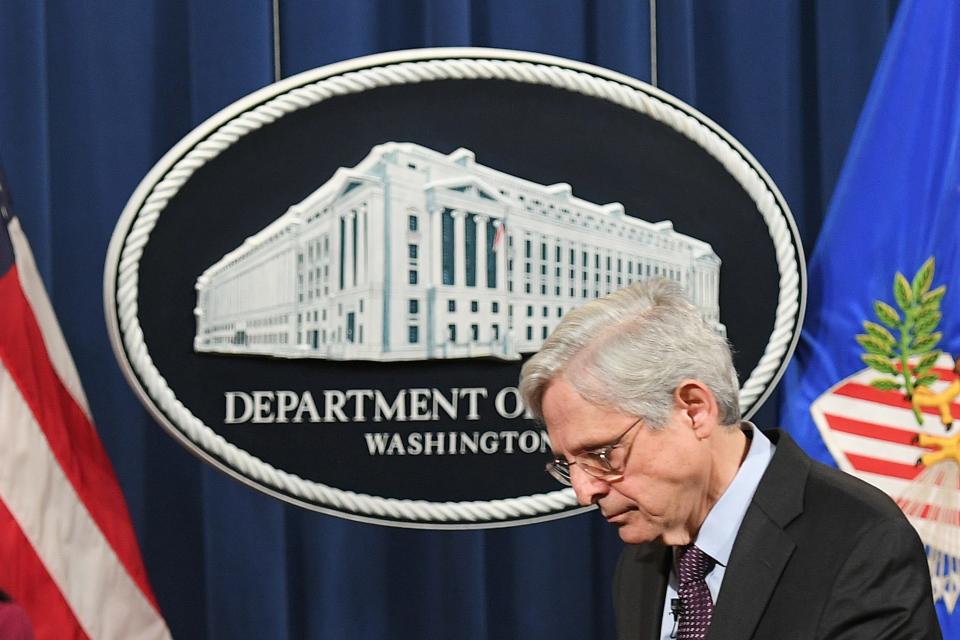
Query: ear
[(698, 403)]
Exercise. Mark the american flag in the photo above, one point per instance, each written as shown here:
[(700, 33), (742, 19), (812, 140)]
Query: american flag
[(68, 554), (498, 236)]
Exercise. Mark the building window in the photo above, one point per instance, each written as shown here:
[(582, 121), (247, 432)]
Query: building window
[(470, 246), (496, 331), (412, 222), (452, 306), (448, 248), (474, 306), (343, 252), (495, 306), (413, 276), (412, 251), (529, 333), (546, 312), (545, 333), (413, 332), (526, 248), (414, 306), (451, 332), (475, 332), (543, 250), (529, 311)]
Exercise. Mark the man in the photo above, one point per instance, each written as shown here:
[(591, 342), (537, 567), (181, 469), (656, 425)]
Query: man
[(734, 533)]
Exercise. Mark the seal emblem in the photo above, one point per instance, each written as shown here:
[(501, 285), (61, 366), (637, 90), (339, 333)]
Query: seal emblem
[(327, 289)]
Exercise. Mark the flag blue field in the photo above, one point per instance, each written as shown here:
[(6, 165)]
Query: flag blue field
[(897, 203)]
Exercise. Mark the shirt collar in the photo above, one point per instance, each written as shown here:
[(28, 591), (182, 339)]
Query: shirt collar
[(719, 529)]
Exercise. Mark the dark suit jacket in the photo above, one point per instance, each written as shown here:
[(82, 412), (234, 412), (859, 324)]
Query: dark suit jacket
[(820, 554)]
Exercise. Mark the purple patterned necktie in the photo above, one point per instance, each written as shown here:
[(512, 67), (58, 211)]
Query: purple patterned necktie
[(693, 565)]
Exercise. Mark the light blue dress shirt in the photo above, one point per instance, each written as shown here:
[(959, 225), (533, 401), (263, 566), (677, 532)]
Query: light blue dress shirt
[(719, 529)]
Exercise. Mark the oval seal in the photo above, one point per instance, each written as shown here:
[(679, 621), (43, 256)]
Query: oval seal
[(326, 290)]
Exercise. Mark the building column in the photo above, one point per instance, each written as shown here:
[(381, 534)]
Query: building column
[(459, 249), (481, 249), (501, 259)]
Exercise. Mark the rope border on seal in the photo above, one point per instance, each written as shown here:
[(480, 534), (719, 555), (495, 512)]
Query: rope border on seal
[(358, 81)]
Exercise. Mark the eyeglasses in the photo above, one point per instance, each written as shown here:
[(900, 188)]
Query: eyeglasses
[(606, 463)]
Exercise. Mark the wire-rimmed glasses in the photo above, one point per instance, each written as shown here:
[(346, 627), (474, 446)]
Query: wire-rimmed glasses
[(606, 463)]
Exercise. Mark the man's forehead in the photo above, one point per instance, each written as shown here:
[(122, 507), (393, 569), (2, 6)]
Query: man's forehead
[(574, 423), (560, 399)]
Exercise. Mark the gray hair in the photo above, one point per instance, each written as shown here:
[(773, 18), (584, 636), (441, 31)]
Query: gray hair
[(630, 350)]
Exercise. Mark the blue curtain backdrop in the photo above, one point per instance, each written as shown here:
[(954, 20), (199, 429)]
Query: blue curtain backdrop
[(93, 93)]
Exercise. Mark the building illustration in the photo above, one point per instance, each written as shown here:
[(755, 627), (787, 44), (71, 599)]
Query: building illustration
[(415, 254)]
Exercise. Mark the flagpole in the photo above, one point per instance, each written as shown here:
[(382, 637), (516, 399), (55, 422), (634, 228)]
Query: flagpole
[(277, 75), (653, 42)]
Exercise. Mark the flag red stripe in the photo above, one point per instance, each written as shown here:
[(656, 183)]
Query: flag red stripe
[(888, 398), (72, 438), (933, 512), (883, 467), (870, 430), (24, 577), (946, 375)]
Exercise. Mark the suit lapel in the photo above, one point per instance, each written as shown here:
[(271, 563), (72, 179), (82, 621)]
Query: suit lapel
[(756, 562), (762, 547), (643, 587)]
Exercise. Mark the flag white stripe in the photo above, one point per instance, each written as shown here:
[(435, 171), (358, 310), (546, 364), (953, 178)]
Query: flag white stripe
[(104, 598), (893, 487), (870, 447), (36, 295)]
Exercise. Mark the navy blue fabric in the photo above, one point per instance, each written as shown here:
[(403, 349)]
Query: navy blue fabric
[(93, 93)]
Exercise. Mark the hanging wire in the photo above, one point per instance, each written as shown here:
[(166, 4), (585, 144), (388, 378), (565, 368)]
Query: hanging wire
[(276, 41), (653, 42)]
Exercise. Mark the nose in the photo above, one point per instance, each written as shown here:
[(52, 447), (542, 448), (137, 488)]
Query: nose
[(587, 488)]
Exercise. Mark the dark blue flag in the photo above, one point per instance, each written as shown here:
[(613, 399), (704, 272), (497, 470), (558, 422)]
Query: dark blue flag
[(874, 370)]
